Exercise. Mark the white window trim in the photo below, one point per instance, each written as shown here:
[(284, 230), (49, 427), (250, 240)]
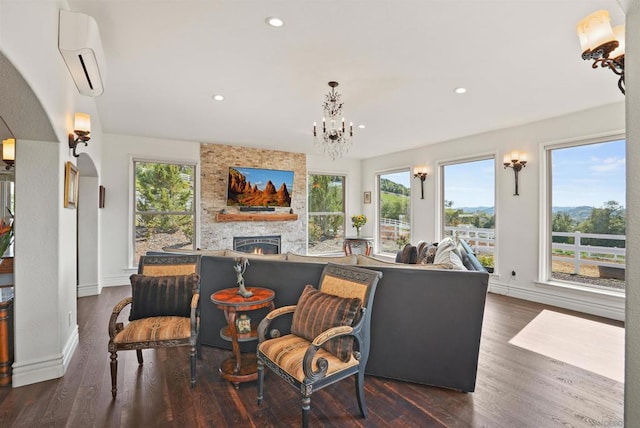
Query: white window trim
[(544, 250), (132, 199)]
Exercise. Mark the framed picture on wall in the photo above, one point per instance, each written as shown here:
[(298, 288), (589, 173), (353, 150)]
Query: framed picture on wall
[(101, 196), (367, 197), (70, 185)]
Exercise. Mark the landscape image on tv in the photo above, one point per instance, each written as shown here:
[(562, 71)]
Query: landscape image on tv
[(257, 187)]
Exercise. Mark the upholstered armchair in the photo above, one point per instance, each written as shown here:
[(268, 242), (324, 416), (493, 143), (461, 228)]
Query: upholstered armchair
[(329, 339), (164, 310)]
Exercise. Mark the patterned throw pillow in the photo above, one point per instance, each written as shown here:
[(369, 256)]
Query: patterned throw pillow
[(317, 312), (155, 296), (429, 253)]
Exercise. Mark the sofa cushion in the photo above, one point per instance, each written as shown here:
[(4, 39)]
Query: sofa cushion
[(317, 312), (372, 261), (154, 296), (448, 254), (233, 253), (343, 260)]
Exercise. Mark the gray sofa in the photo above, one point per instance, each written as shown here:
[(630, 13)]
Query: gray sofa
[(426, 323)]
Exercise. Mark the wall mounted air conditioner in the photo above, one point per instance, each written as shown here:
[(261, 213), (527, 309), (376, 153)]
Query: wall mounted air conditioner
[(80, 45)]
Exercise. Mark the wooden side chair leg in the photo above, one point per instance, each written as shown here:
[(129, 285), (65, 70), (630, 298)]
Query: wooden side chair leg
[(114, 374), (193, 366), (360, 393), (260, 380), (306, 405), (139, 355)]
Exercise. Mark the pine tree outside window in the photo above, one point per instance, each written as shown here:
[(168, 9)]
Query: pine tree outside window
[(164, 215)]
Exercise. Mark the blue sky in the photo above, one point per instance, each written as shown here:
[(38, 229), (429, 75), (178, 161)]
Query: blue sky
[(471, 184), (261, 176), (589, 175)]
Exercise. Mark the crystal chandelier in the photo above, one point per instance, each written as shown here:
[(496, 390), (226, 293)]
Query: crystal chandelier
[(334, 141)]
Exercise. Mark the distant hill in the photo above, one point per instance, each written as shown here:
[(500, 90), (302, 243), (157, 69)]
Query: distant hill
[(475, 210), (578, 214)]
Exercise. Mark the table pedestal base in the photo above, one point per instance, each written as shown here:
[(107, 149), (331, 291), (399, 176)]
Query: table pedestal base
[(248, 369)]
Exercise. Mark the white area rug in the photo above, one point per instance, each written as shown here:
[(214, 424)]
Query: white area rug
[(587, 344)]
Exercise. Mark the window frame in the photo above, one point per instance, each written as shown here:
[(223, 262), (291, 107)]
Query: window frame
[(345, 177), (133, 263), (378, 206), (546, 215)]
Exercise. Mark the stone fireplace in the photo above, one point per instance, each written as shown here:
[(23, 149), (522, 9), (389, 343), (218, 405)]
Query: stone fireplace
[(218, 234), (257, 244)]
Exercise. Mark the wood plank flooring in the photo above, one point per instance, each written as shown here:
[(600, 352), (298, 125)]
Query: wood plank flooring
[(515, 388)]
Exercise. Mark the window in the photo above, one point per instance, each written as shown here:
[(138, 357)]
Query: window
[(164, 214), (326, 214), (394, 228), (587, 214), (469, 205)]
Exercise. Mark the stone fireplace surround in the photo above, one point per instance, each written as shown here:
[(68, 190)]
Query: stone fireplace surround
[(214, 172)]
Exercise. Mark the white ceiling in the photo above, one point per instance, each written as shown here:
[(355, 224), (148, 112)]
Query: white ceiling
[(397, 62)]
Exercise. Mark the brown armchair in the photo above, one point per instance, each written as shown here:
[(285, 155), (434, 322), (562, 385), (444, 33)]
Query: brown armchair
[(164, 310), (329, 338)]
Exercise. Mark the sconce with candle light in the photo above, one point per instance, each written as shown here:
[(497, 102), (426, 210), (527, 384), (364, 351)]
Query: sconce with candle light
[(9, 152), (516, 161), (421, 173), (82, 129)]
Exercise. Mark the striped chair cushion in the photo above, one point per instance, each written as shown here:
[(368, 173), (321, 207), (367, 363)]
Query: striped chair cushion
[(155, 296), (155, 329), (288, 352), (317, 312)]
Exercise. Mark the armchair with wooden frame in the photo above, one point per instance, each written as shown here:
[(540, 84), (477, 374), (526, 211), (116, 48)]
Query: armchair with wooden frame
[(329, 339), (164, 310)]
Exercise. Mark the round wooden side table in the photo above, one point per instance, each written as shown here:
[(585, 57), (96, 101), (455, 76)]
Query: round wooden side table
[(240, 367)]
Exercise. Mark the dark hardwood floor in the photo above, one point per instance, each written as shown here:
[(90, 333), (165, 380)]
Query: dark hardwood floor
[(515, 388)]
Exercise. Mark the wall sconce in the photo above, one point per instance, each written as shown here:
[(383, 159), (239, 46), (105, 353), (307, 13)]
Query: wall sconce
[(602, 44), (421, 173), (9, 152), (517, 161), (81, 128)]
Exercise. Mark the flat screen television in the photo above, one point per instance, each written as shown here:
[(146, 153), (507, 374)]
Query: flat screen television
[(258, 187)]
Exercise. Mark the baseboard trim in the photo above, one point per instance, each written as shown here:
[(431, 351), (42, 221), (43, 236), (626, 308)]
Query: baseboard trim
[(47, 368), (114, 281), (608, 307), (88, 290)]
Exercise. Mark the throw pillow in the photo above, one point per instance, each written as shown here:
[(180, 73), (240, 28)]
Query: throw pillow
[(448, 254), (317, 312), (428, 253), (409, 254), (155, 296)]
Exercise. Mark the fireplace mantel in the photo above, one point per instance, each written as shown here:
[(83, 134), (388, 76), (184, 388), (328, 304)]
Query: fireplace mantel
[(255, 217)]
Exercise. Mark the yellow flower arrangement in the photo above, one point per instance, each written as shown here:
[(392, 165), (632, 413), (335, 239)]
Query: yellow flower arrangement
[(358, 221)]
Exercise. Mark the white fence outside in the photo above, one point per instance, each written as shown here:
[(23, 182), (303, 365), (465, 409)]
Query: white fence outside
[(483, 241)]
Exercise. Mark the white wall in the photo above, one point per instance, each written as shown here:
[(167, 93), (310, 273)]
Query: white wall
[(632, 64), (115, 227), (517, 217), (45, 249)]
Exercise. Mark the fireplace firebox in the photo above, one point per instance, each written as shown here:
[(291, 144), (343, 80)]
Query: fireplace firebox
[(257, 244)]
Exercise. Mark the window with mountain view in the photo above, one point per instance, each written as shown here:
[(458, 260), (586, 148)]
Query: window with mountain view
[(469, 205), (164, 213), (588, 214), (394, 228), (326, 214)]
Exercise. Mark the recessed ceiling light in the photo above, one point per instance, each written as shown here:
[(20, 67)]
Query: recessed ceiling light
[(460, 90), (361, 126), (272, 21), (218, 97)]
